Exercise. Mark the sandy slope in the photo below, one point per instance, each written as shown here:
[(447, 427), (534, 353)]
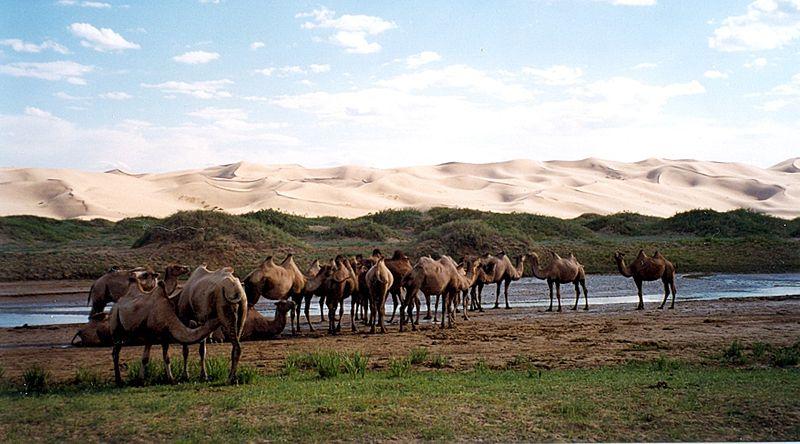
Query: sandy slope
[(558, 188)]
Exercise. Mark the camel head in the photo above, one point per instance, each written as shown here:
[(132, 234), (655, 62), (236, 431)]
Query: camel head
[(176, 270), (145, 280), (314, 282), (284, 306), (398, 255), (619, 257), (377, 253)]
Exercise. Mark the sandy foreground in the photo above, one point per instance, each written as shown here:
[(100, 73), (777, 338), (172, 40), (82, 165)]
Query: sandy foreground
[(694, 331), (564, 189)]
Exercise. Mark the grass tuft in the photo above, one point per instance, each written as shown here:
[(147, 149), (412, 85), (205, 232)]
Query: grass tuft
[(418, 355), (399, 367), (36, 379), (88, 379), (734, 353), (439, 361), (355, 364)]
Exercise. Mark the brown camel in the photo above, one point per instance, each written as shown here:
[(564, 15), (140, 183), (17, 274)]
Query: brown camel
[(275, 282), (434, 277), (562, 271), (335, 282), (399, 265), (113, 285), (378, 280), (475, 291), (361, 297), (147, 318), (305, 296), (96, 333), (259, 327), (645, 268), (214, 294), (499, 270)]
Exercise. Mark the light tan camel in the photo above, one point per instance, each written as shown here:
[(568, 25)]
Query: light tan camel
[(562, 271), (258, 327), (113, 285), (148, 318), (275, 282), (214, 294), (378, 280), (645, 268), (434, 277), (499, 270)]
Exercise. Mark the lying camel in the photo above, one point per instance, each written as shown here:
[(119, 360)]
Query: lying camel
[(214, 294), (435, 277), (378, 280), (499, 270), (645, 268), (275, 282), (562, 271), (147, 318), (113, 285), (258, 327)]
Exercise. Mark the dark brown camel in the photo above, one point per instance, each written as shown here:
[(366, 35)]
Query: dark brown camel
[(645, 268)]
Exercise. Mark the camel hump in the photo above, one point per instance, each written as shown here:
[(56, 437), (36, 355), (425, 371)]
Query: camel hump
[(657, 254), (555, 255), (398, 255)]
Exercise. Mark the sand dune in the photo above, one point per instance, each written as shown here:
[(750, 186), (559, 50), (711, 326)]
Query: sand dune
[(558, 188)]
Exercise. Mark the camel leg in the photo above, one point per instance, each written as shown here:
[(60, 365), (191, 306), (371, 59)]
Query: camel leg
[(558, 295), (672, 286), (507, 283), (666, 295), (167, 363), (321, 311), (585, 294), (236, 353), (410, 309), (308, 311), (202, 351), (428, 303), (464, 303), (185, 362), (331, 317), (435, 309), (394, 307), (340, 304), (402, 313), (497, 296), (550, 286), (291, 319), (382, 314), (115, 357), (577, 296), (145, 362), (641, 299), (417, 305), (372, 315), (353, 311), (480, 298), (444, 308)]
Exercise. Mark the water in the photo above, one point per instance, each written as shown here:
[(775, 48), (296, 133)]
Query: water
[(527, 292)]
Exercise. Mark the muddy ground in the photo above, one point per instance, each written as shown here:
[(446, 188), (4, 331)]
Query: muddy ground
[(695, 331)]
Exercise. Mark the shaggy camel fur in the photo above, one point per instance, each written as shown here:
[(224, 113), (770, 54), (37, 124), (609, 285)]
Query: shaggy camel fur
[(258, 327), (113, 285), (148, 318), (378, 280), (499, 270), (645, 268), (214, 294), (435, 277), (275, 282), (562, 271)]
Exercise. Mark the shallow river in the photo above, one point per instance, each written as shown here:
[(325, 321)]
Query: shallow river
[(527, 292)]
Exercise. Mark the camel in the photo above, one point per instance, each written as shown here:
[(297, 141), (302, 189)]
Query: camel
[(361, 298), (399, 265), (114, 283), (214, 294), (275, 282), (645, 268), (335, 282), (562, 271), (435, 277), (499, 270), (96, 333), (305, 296), (473, 294), (258, 327), (378, 280), (147, 318)]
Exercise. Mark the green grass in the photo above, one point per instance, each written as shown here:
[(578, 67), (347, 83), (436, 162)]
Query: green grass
[(36, 380), (418, 355), (634, 402)]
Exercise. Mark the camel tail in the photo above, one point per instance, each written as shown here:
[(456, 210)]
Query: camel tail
[(240, 317), (89, 298), (72, 342)]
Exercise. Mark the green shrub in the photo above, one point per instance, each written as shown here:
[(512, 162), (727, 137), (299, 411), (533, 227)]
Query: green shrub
[(294, 225), (480, 367), (440, 361), (399, 367), (356, 364), (760, 350), (461, 237), (734, 353), (327, 364), (246, 374), (418, 355), (623, 224), (88, 379), (358, 228), (36, 379), (786, 356), (27, 229), (736, 223), (398, 219), (663, 363)]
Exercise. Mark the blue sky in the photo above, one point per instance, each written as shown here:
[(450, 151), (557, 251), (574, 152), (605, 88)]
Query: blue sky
[(156, 86)]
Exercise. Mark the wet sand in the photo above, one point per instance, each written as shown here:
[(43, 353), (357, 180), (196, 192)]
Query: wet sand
[(607, 334)]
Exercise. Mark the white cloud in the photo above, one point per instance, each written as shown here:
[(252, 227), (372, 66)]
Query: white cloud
[(212, 2), (317, 69), (416, 60), (555, 75), (22, 46), (256, 45), (265, 71), (459, 77), (85, 4), (767, 24), (209, 89), (757, 63), (631, 2), (774, 105), (212, 113), (103, 39), (714, 74), (64, 96), (116, 95), (36, 112), (196, 57), (59, 70), (646, 65), (292, 70), (351, 31)]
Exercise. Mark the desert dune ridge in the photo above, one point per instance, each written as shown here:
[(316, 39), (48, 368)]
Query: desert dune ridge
[(565, 189)]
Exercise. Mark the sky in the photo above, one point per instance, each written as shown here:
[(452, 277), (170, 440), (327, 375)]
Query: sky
[(163, 86)]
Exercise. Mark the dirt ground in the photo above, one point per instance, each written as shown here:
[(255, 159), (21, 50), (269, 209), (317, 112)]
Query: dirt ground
[(694, 331)]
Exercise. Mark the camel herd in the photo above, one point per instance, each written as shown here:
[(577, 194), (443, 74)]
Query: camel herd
[(216, 305)]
